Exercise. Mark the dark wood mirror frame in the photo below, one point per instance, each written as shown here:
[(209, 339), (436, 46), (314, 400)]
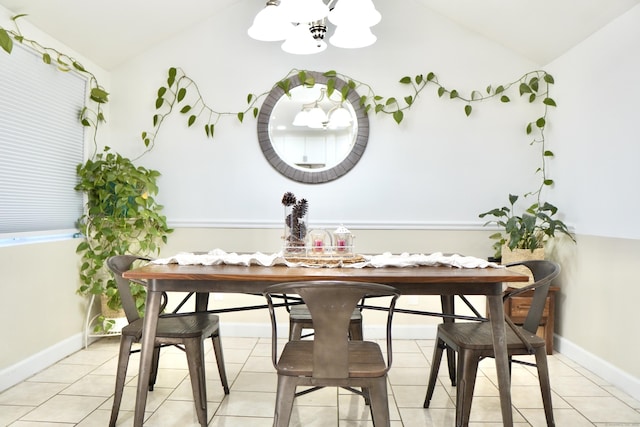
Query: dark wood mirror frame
[(311, 176)]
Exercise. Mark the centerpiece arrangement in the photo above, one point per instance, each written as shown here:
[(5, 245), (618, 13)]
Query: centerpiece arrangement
[(318, 246)]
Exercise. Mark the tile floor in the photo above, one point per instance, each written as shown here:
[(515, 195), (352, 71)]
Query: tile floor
[(78, 390)]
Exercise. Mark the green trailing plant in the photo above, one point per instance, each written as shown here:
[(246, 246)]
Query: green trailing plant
[(529, 230), (121, 217)]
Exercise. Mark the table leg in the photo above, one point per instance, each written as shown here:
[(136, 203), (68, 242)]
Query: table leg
[(202, 301), (149, 328), (496, 314), (449, 308)]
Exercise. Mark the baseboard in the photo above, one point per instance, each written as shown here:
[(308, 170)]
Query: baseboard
[(605, 370), (30, 366)]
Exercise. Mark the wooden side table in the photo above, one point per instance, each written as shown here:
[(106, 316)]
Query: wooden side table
[(517, 308)]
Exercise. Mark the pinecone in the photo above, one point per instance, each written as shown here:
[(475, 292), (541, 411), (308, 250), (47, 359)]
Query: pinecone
[(302, 206), (288, 199)]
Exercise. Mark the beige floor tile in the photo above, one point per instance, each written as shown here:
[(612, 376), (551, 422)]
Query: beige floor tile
[(62, 373), (229, 421), (64, 409), (258, 364), (605, 409), (242, 403), (177, 413), (9, 413), (30, 393), (563, 417), (256, 381), (432, 417), (215, 392), (576, 386), (40, 424), (92, 385), (408, 376)]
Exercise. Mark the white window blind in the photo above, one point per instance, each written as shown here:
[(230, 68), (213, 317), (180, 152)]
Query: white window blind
[(41, 142)]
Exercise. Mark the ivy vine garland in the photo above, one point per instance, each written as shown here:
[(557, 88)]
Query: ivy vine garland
[(180, 91)]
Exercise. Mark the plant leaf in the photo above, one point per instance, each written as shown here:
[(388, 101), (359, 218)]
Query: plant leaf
[(524, 88), (182, 92), (467, 109), (505, 98), (405, 80), (5, 41), (192, 120), (541, 122), (240, 116), (550, 102), (398, 116)]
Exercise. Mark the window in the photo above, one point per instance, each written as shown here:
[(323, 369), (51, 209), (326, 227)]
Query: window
[(41, 142)]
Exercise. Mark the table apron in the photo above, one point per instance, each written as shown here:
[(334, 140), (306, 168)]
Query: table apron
[(257, 287)]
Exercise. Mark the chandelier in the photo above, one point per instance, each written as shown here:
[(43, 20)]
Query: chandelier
[(302, 25)]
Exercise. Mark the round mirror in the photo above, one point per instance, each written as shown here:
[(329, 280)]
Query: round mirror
[(312, 134)]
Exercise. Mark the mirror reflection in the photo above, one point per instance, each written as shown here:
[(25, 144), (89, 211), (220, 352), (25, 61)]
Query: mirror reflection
[(313, 134), (311, 130)]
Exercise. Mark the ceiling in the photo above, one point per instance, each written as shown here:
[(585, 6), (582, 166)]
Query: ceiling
[(95, 28)]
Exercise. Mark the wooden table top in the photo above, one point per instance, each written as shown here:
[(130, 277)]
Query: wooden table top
[(409, 280)]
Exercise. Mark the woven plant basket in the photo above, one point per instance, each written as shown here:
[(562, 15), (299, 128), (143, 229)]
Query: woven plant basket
[(509, 256), (108, 312)]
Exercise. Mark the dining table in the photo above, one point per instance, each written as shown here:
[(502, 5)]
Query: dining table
[(253, 279)]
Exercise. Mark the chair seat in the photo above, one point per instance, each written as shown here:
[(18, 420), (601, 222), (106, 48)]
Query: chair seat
[(192, 325), (365, 359), (477, 336)]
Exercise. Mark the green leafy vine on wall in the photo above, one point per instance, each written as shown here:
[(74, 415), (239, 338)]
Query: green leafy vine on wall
[(182, 92)]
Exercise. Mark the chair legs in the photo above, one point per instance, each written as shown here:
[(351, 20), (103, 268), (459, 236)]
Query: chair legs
[(545, 385), (284, 400), (195, 359), (467, 371), (379, 402), (123, 362), (438, 349), (217, 349)]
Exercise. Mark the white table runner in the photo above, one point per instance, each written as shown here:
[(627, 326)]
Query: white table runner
[(387, 259)]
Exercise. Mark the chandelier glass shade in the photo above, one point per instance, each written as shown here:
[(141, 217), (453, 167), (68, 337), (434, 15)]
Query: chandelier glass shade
[(302, 24), (313, 116)]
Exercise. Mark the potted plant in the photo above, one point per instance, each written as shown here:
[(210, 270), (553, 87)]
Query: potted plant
[(528, 231), (121, 217)]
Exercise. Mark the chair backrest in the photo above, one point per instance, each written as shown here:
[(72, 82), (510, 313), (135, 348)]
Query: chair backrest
[(118, 265), (331, 304), (544, 272)]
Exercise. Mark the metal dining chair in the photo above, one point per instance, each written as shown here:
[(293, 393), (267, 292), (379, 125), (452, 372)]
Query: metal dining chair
[(186, 331), (473, 341), (331, 359), (300, 320)]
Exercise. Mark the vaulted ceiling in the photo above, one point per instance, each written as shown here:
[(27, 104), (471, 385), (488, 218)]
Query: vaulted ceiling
[(94, 28)]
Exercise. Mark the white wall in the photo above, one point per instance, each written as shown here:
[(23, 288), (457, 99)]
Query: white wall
[(596, 138)]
